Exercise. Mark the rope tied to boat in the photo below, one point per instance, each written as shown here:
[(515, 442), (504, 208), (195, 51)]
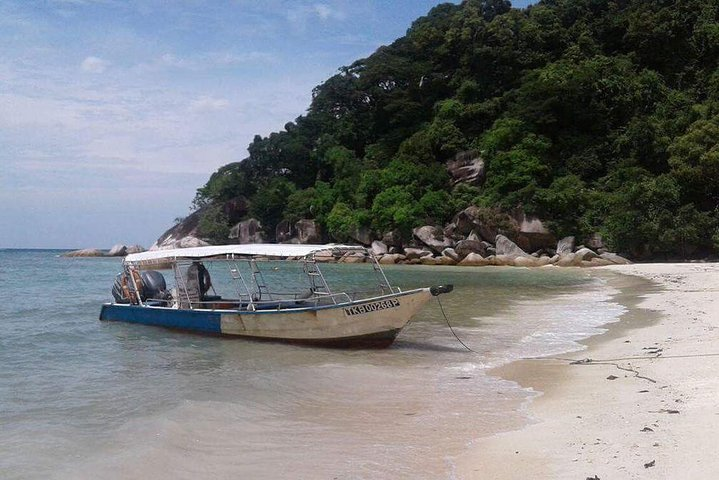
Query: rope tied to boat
[(450, 326)]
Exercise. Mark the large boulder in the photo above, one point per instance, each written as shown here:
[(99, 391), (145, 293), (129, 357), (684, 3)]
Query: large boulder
[(118, 250), (505, 246), (413, 253), (432, 237), (308, 231), (247, 231), (284, 232), (85, 252), (474, 260), (585, 254), (134, 249), (465, 247), (594, 241), (532, 234), (614, 258), (391, 258), (362, 235), (565, 246), (467, 167), (393, 238), (378, 248), (184, 232)]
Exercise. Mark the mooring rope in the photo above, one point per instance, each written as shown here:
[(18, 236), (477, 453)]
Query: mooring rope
[(450, 327)]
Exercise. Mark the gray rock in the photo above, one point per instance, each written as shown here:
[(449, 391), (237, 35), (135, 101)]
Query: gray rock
[(412, 253), (531, 233), (527, 262), (247, 231), (379, 248), (614, 258), (507, 247), (432, 237), (585, 254), (135, 249), (594, 241), (467, 167), (85, 252), (565, 245), (284, 232), (465, 247), (353, 257), (362, 235), (451, 253), (118, 250), (475, 238), (471, 220), (391, 258), (566, 260), (393, 238), (474, 260), (308, 231)]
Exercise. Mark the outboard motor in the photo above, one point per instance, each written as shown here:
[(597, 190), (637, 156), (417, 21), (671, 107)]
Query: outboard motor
[(154, 286), (117, 290)]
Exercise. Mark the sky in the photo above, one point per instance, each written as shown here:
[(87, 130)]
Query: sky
[(114, 112)]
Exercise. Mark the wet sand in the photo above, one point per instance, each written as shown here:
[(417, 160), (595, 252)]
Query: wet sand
[(644, 407)]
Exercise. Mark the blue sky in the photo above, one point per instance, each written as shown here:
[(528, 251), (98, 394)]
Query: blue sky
[(113, 112)]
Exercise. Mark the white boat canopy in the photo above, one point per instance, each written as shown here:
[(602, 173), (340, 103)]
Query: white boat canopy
[(250, 249)]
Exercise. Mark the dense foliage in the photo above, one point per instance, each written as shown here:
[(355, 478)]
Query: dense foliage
[(595, 115)]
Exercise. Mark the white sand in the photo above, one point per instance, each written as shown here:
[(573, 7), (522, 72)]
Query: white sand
[(587, 425)]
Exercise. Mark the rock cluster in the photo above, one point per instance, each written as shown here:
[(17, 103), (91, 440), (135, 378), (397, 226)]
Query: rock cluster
[(118, 250), (504, 252)]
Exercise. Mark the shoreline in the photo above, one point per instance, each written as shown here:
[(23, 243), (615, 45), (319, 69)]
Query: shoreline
[(616, 419)]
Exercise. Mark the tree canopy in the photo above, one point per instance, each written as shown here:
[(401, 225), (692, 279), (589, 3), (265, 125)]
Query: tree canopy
[(595, 115)]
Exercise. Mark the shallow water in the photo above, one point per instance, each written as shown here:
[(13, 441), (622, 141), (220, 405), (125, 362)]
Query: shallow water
[(83, 399)]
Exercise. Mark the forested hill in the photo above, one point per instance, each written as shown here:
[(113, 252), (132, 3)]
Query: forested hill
[(593, 115)]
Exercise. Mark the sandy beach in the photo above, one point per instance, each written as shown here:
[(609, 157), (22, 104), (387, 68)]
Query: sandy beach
[(645, 406)]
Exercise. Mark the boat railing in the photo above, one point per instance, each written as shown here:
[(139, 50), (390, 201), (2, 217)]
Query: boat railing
[(280, 301)]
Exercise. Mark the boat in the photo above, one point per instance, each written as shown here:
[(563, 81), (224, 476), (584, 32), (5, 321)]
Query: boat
[(275, 292)]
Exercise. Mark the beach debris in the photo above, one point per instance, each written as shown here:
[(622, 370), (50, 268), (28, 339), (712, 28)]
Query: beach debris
[(595, 477), (612, 377), (643, 391), (463, 378), (581, 362), (646, 429), (650, 464), (665, 410)]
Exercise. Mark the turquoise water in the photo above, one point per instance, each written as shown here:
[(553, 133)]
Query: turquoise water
[(80, 398)]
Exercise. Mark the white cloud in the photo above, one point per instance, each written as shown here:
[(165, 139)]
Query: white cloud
[(299, 17), (208, 104), (94, 65)]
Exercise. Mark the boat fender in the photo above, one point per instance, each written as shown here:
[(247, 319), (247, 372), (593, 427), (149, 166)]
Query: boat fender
[(440, 289)]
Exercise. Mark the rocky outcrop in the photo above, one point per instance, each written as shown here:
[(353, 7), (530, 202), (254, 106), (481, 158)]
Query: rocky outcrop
[(118, 250), (183, 235), (362, 235), (565, 246), (308, 231), (433, 238), (465, 247), (247, 231), (379, 248), (474, 260), (284, 232), (85, 252), (505, 246), (614, 258), (532, 234), (467, 167)]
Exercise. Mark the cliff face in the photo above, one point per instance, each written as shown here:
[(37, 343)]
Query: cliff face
[(182, 235)]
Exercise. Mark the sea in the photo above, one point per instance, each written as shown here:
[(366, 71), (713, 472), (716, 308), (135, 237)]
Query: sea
[(85, 399)]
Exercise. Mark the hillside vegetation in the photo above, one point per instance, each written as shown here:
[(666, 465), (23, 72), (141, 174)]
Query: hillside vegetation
[(593, 115)]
